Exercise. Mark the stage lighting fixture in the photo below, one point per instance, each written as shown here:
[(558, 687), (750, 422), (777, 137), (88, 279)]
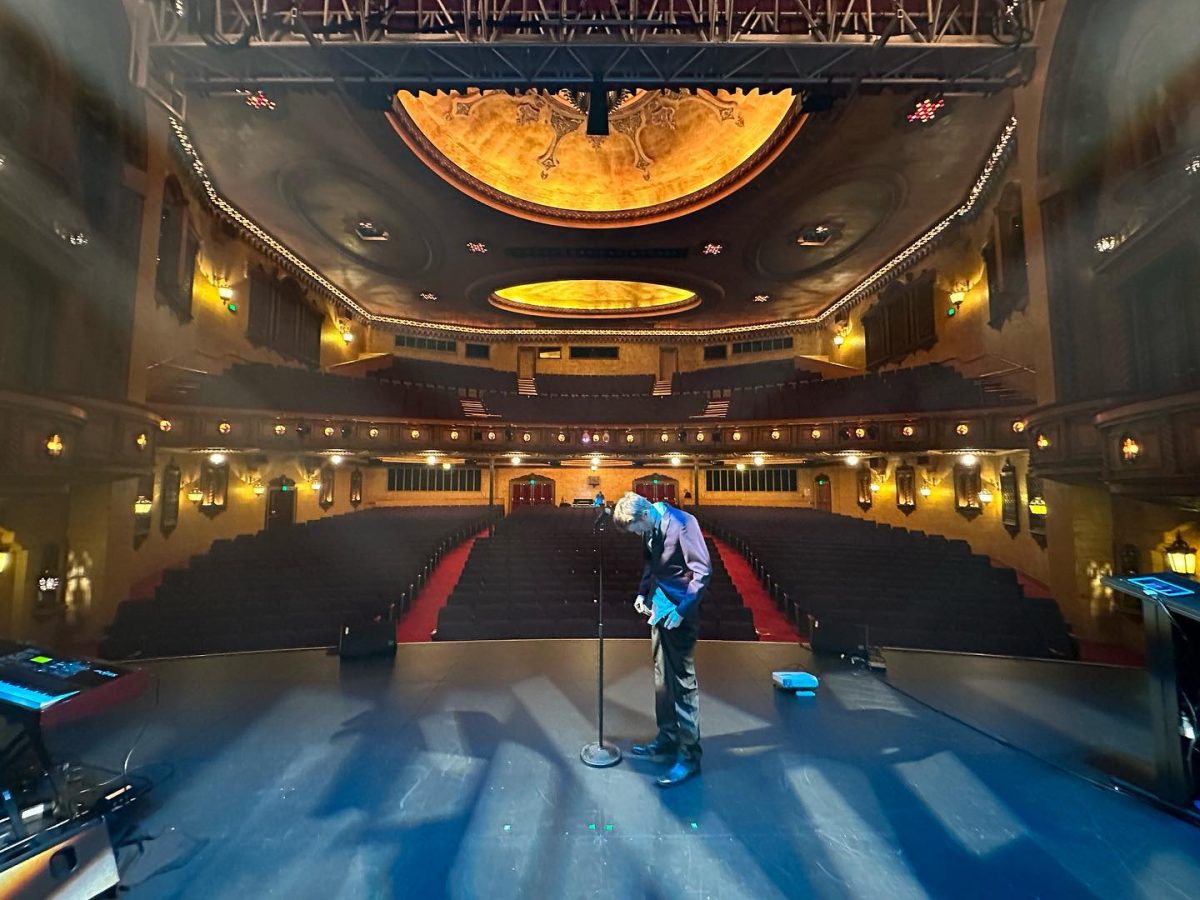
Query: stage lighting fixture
[(926, 110)]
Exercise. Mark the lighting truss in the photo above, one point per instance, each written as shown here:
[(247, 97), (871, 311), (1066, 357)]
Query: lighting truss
[(960, 45)]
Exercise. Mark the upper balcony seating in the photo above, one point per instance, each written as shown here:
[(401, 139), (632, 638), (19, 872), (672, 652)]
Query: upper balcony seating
[(746, 375), (928, 388), (536, 578), (289, 587), (591, 385), (911, 589), (431, 373)]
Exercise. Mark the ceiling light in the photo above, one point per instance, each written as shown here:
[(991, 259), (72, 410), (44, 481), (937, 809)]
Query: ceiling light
[(758, 459), (1107, 243), (216, 458), (761, 298), (431, 459), (926, 110), (428, 295), (258, 100), (373, 433), (336, 459), (969, 460), (675, 460), (369, 231), (477, 247), (629, 438), (741, 467), (415, 434), (516, 460), (446, 467), (852, 460), (712, 249), (164, 425)]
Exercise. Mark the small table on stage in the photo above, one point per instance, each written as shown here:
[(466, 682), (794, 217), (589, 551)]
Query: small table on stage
[(1171, 617)]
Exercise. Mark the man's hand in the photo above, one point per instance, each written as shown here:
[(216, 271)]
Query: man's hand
[(673, 620), (640, 605)]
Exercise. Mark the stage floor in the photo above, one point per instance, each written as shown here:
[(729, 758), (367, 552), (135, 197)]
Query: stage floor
[(456, 773)]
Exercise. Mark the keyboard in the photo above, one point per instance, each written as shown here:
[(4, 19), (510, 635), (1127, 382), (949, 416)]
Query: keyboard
[(50, 689)]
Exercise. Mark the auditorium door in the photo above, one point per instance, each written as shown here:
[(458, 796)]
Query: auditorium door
[(822, 493), (657, 487), (281, 503), (532, 490), (526, 362)]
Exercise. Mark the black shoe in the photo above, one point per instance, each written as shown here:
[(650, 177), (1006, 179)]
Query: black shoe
[(679, 773), (653, 748)]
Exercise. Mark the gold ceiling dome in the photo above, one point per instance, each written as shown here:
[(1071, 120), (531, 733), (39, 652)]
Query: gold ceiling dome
[(668, 152), (594, 298)]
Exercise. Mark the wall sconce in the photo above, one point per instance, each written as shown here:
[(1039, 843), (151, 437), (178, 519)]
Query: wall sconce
[(258, 488), (224, 427), (775, 434), (1181, 557), (561, 437), (737, 435), (6, 556), (874, 487), (415, 434), (314, 485), (348, 336), (164, 425), (926, 491), (195, 494), (142, 506), (664, 437), (1042, 442), (1130, 449), (54, 446), (526, 437), (962, 429), (815, 434), (1037, 506), (328, 431), (491, 435), (629, 437), (699, 437), (373, 433), (985, 496), (1018, 426)]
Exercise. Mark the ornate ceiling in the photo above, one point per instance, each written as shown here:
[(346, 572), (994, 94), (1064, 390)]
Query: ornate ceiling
[(584, 299), (667, 154), (313, 168)]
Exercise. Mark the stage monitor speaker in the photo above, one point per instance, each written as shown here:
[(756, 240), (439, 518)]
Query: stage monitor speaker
[(359, 640), (832, 635), (80, 864)]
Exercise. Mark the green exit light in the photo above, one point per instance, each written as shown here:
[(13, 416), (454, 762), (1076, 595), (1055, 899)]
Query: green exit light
[(284, 488), (952, 311), (232, 307)]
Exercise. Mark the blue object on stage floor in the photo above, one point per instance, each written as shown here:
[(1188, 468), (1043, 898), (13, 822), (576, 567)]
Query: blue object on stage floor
[(795, 681)]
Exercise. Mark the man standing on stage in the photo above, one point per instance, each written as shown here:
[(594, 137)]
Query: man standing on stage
[(677, 572)]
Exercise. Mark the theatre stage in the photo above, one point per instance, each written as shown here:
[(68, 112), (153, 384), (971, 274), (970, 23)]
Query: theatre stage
[(455, 772)]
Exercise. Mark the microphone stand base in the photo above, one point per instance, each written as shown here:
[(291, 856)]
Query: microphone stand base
[(600, 756)]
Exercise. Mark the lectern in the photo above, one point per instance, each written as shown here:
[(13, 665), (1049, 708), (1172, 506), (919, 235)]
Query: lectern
[(1171, 615)]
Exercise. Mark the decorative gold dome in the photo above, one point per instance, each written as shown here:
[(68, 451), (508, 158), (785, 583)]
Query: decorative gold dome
[(592, 298)]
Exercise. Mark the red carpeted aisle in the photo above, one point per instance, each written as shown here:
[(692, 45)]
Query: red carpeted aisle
[(420, 621), (769, 622)]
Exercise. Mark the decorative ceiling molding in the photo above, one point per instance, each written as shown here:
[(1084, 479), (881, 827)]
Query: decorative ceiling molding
[(876, 281)]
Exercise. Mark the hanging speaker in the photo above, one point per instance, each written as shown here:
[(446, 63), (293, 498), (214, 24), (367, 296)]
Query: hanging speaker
[(597, 114)]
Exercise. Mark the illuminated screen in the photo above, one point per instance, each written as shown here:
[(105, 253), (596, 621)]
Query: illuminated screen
[(41, 659), (1158, 586)]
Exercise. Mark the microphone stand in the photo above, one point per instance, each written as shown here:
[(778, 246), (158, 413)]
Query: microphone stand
[(600, 754)]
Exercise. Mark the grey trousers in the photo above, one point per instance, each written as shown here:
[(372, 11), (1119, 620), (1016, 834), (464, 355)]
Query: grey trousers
[(676, 693)]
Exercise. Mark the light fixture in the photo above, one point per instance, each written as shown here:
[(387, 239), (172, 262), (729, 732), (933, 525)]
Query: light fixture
[(224, 427), (815, 434), (142, 506), (526, 437), (1042, 442), (217, 459), (925, 490), (6, 553), (431, 459), (775, 435), (595, 461), (415, 434), (737, 435), (314, 486), (1192, 167), (516, 460), (595, 437), (595, 466), (970, 460), (860, 432), (629, 438), (348, 336), (328, 431), (962, 429), (280, 429), (224, 291), (446, 467), (258, 100), (741, 467), (586, 437), (259, 489), (164, 425), (664, 437), (1107, 243), (712, 249), (908, 431), (1181, 557), (141, 441), (562, 437), (1130, 448), (853, 460), (477, 247), (491, 435), (369, 231), (1018, 426), (838, 340), (373, 432), (195, 494), (874, 487), (1037, 506), (758, 459), (985, 495), (699, 437), (761, 298), (454, 434), (337, 459), (675, 460), (926, 110), (429, 296)]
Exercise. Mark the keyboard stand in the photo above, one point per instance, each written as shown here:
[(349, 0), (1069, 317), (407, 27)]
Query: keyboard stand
[(30, 737)]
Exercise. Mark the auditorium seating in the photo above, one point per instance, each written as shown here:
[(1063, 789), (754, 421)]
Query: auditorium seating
[(430, 373), (745, 375), (911, 589), (591, 385), (536, 578), (293, 586), (598, 409)]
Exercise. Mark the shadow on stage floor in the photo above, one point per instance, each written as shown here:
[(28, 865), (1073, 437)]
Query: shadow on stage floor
[(455, 772)]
